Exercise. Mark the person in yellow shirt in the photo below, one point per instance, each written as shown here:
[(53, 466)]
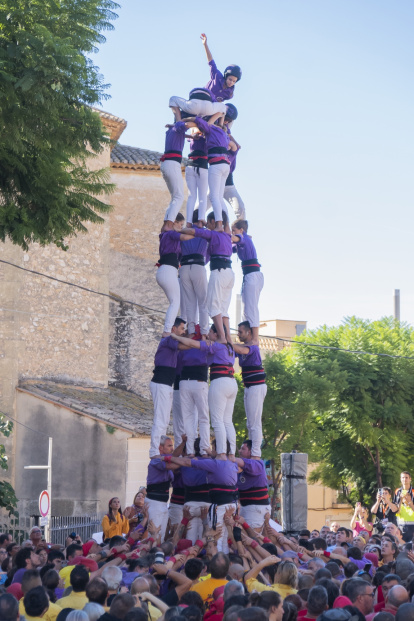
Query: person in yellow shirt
[(285, 581), (36, 604), (79, 578), (72, 551), (219, 567), (114, 522), (31, 580)]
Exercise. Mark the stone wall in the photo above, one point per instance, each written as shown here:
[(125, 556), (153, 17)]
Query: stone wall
[(140, 201)]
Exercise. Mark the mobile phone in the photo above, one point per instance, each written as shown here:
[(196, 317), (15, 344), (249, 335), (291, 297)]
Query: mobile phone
[(73, 535), (367, 567)]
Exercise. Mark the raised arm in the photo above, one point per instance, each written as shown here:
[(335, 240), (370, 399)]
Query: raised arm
[(203, 38), (185, 341), (255, 571), (216, 116)]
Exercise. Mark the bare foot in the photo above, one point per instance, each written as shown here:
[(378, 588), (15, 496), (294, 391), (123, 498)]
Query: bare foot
[(222, 457), (167, 226), (219, 225)]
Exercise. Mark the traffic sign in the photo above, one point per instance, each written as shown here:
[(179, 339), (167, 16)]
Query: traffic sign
[(44, 503)]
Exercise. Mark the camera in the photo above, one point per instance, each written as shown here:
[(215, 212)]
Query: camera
[(159, 557)]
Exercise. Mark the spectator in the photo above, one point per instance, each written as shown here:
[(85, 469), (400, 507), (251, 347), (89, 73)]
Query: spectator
[(343, 536), (97, 591), (360, 521), (389, 551), (25, 559), (361, 595), (9, 607), (219, 566), (269, 601), (405, 613), (94, 611), (114, 522), (79, 578), (36, 602), (285, 580), (72, 551), (56, 557), (113, 577), (35, 536), (317, 603), (77, 615)]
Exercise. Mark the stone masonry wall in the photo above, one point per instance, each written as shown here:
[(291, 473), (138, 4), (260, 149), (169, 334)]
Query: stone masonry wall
[(140, 201)]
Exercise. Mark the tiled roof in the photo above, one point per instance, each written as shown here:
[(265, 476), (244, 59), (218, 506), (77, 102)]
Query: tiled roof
[(135, 158), (117, 408), (113, 123)]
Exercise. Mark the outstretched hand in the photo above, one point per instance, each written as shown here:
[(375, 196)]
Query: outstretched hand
[(203, 38)]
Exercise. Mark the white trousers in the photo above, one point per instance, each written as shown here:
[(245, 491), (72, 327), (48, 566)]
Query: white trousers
[(253, 405), (197, 107), (251, 289), (194, 407), (193, 286), (236, 203), (177, 416), (172, 175), (162, 396), (175, 513), (221, 397), (222, 545), (254, 515), (158, 513), (195, 525), (220, 287), (167, 278), (197, 183), (217, 175)]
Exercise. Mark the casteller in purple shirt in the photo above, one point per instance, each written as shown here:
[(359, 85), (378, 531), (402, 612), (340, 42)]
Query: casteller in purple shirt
[(217, 84)]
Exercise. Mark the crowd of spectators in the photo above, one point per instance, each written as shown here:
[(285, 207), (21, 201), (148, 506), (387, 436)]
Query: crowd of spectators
[(363, 572)]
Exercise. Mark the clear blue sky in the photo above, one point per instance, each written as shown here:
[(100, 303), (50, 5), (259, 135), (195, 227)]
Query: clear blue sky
[(326, 127)]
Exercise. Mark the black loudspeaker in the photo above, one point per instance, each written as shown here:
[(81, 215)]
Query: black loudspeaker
[(294, 491)]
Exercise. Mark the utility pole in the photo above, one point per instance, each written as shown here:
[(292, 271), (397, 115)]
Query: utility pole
[(397, 304), (49, 483)]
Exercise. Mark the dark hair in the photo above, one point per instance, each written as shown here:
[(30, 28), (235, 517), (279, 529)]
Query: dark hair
[(191, 598), (21, 557), (355, 553), (224, 217), (45, 569), (219, 566), (387, 489), (179, 217), (355, 588), (27, 578), (228, 345), (110, 514), (265, 599), (178, 321), (193, 568), (253, 614), (387, 616), (71, 549), (405, 472), (350, 569), (390, 577), (79, 578), (136, 614), (50, 578), (317, 600), (9, 607), (294, 599), (4, 537), (346, 530), (333, 568), (290, 611), (35, 601), (195, 216), (97, 591), (405, 612), (248, 443), (121, 605), (241, 224), (323, 573), (318, 543), (304, 594), (192, 613), (10, 547), (246, 325), (54, 554), (331, 589), (236, 600)]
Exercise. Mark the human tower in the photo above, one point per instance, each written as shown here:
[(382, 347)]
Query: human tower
[(190, 352)]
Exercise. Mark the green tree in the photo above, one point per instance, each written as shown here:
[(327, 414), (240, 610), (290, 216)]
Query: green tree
[(8, 498), (47, 127), (366, 425)]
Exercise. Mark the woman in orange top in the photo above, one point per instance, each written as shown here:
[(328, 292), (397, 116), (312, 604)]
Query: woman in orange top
[(114, 522)]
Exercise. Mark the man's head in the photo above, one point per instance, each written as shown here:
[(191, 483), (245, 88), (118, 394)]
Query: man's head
[(5, 539), (361, 595), (245, 451), (244, 331), (317, 543), (314, 564), (26, 559), (35, 535), (317, 600), (121, 605), (97, 591), (73, 550), (405, 479), (139, 586), (36, 602), (388, 548), (397, 596), (405, 613), (193, 568), (335, 526), (343, 535), (113, 577), (323, 532), (79, 578), (236, 572), (314, 534), (232, 588), (219, 566), (56, 558), (239, 227), (166, 445), (330, 538), (30, 580), (9, 607), (392, 529), (211, 221), (178, 327)]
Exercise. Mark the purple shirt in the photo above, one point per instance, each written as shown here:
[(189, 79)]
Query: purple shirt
[(19, 575), (194, 246), (215, 136), (198, 143), (252, 359), (220, 243), (170, 243), (174, 137), (217, 84), (167, 353), (218, 471), (245, 248), (232, 155), (157, 472), (253, 474), (220, 353), (178, 479), (193, 476), (196, 357)]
